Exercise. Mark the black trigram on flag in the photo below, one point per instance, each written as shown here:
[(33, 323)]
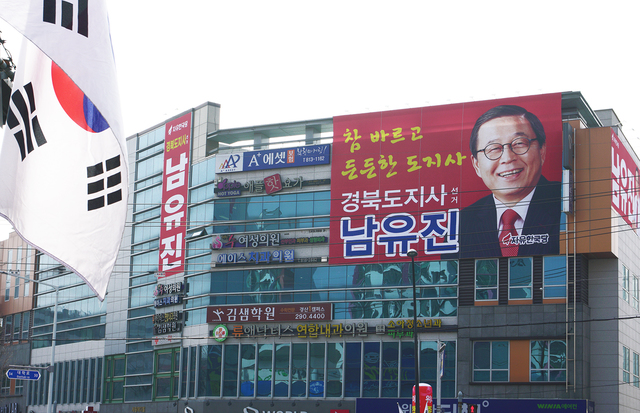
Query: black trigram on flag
[(50, 12), (98, 190), (30, 129)]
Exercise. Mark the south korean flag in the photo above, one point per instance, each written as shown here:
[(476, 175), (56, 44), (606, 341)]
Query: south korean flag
[(63, 173)]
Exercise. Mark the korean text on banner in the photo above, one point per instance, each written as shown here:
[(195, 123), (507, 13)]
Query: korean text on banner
[(175, 186)]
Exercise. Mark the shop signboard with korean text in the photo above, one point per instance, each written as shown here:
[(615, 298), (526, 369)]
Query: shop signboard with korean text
[(414, 179), (269, 313), (308, 155)]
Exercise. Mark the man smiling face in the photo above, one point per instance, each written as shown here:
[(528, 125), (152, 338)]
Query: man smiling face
[(511, 177)]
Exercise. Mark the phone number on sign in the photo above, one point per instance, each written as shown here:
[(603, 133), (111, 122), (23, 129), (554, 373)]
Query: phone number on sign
[(310, 316)]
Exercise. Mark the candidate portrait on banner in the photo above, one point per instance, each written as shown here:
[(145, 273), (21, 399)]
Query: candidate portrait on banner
[(521, 216)]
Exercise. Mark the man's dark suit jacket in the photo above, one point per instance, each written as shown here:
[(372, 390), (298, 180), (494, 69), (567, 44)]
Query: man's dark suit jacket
[(479, 235)]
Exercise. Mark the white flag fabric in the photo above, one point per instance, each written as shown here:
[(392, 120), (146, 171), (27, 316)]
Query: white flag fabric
[(63, 161)]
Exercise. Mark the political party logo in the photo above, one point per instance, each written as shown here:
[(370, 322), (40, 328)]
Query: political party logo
[(75, 103)]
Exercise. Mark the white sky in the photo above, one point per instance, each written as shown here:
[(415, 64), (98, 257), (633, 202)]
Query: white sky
[(281, 61)]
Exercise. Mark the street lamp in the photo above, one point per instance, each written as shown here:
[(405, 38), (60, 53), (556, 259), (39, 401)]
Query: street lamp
[(413, 253), (53, 335)]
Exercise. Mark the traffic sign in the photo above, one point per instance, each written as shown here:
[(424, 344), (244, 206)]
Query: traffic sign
[(23, 374)]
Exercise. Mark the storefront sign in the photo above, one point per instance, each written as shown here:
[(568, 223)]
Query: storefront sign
[(227, 188), (175, 185), (269, 239), (314, 330), (167, 301), (261, 257), (274, 158), (269, 312), (166, 328), (166, 289), (168, 317)]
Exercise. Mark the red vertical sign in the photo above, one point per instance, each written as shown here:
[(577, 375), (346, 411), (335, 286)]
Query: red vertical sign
[(175, 186), (625, 182)]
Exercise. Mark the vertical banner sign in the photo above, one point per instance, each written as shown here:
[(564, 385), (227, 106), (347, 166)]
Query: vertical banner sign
[(625, 182), (414, 178), (175, 185)]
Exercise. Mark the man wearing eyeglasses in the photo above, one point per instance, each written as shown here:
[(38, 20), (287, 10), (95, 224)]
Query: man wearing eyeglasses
[(522, 215)]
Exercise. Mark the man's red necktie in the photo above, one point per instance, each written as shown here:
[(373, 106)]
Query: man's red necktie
[(508, 220)]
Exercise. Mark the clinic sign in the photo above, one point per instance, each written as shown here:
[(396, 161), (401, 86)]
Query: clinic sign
[(175, 185), (625, 183), (408, 179), (309, 155)]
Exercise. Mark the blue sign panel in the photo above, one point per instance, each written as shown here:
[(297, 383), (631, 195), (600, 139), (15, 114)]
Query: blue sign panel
[(484, 405), (274, 158), (23, 374)]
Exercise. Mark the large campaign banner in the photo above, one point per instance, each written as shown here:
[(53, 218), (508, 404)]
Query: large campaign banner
[(175, 188), (408, 179), (625, 183)]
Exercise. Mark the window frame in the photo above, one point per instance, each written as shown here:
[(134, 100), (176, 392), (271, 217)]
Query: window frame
[(545, 276), (523, 287), (491, 369), (626, 364), (625, 283), (485, 288), (548, 370)]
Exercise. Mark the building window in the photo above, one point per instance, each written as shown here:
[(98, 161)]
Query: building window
[(5, 386), (16, 293), (8, 328), (167, 374), (548, 360), (491, 361), (330, 370), (626, 365), (520, 274), (636, 369), (114, 379), (75, 382), (625, 283), (555, 277), (25, 325), (487, 280), (635, 292), (372, 290), (17, 323), (7, 291)]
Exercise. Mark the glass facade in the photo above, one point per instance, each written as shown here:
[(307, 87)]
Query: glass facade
[(81, 316), (314, 369), (75, 382)]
